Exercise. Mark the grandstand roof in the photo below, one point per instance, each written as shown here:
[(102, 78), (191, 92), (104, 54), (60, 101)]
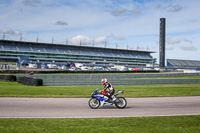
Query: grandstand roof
[(72, 46)]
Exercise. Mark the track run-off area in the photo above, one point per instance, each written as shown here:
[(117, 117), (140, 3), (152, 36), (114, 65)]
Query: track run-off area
[(13, 107)]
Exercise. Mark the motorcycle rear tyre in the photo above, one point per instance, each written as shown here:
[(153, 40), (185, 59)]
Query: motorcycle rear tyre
[(122, 101), (92, 104)]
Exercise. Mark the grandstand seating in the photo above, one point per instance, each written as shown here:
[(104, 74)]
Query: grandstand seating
[(115, 54), (86, 52), (1, 47), (24, 48), (37, 49), (107, 54), (9, 47), (51, 50), (73, 51), (63, 51), (98, 53), (126, 55)]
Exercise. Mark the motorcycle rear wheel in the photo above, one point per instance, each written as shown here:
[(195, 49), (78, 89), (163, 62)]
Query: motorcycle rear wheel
[(121, 102), (94, 103)]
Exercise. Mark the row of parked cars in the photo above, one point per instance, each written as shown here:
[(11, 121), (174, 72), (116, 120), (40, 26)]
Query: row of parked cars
[(83, 67)]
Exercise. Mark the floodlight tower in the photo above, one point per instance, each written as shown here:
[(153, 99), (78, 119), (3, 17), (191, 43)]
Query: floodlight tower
[(162, 43)]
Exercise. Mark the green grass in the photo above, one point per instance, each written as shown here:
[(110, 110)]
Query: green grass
[(13, 89), (168, 124)]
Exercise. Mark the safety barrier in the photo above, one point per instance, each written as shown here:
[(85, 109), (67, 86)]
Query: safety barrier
[(115, 79), (7, 77), (30, 81), (114, 76)]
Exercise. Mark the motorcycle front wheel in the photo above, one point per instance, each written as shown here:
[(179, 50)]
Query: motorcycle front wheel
[(94, 103), (121, 102)]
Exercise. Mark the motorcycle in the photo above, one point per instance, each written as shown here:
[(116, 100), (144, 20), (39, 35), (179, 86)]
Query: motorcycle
[(100, 98)]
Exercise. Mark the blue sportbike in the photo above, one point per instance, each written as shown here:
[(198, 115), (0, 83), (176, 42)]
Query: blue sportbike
[(100, 98)]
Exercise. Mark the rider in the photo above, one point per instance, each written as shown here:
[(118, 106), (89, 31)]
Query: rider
[(109, 87)]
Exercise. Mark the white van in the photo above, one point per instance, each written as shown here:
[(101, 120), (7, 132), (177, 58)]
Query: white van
[(52, 66)]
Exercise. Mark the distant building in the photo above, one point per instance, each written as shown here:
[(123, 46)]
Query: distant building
[(183, 64)]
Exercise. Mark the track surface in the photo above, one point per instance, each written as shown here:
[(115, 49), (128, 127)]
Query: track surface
[(78, 107)]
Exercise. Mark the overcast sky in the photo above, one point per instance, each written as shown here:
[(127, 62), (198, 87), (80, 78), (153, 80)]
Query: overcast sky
[(132, 24)]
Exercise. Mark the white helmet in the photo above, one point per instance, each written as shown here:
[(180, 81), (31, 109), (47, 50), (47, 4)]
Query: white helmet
[(103, 81)]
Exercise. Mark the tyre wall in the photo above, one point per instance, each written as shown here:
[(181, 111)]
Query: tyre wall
[(8, 78), (30, 81)]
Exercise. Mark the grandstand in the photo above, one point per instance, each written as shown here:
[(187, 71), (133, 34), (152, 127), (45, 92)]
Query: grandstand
[(11, 51), (175, 63)]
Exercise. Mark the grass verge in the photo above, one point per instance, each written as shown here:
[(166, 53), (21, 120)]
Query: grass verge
[(13, 89), (162, 124)]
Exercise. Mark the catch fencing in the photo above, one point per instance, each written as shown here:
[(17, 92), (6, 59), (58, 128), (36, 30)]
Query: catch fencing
[(116, 79)]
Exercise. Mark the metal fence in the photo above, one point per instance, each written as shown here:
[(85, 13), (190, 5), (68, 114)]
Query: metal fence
[(116, 79)]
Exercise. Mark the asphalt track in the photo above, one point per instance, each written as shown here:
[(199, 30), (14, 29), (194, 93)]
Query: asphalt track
[(11, 107)]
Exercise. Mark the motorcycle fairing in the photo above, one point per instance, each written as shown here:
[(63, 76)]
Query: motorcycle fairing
[(100, 97)]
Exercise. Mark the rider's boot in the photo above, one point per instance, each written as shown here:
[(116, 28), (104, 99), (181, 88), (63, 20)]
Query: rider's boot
[(113, 98)]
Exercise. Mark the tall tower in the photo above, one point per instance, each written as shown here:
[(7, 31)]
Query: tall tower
[(162, 43)]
